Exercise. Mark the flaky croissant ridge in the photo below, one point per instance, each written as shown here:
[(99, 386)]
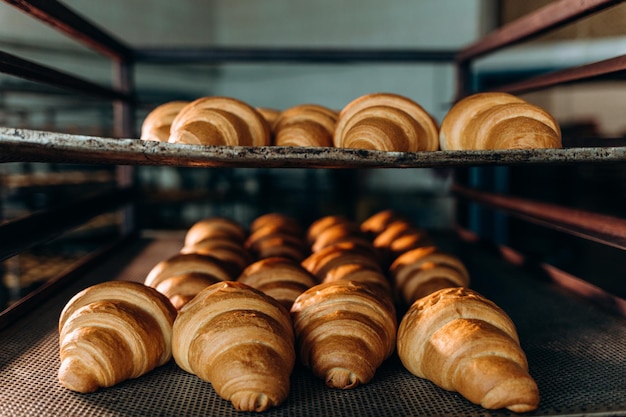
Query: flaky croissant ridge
[(344, 332), (496, 120), (386, 122), (463, 342), (111, 332), (241, 341)]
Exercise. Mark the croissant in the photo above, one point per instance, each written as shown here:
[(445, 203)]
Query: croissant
[(241, 341), (386, 122), (344, 332), (398, 237), (305, 125), (322, 223), (377, 222), (463, 342), (220, 121), (271, 241), (495, 120), (212, 227), (180, 289), (111, 332), (156, 126), (283, 279), (280, 221), (324, 261), (421, 271), (231, 253), (171, 276), (361, 274)]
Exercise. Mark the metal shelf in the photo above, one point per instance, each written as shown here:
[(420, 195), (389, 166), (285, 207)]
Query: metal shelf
[(37, 146)]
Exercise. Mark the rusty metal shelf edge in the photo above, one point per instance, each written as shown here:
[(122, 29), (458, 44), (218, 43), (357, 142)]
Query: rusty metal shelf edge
[(38, 146)]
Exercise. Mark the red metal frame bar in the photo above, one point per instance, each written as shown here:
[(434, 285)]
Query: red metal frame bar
[(76, 26), (566, 76), (12, 65), (545, 19), (600, 228), (572, 283)]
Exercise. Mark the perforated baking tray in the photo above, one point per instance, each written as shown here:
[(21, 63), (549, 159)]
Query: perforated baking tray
[(576, 351)]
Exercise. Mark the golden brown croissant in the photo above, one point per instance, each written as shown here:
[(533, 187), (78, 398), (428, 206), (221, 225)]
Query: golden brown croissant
[(171, 276), (495, 120), (377, 222), (305, 125), (220, 121), (269, 114), (180, 289), (156, 126), (212, 227), (463, 342), (233, 254), (282, 278), (324, 261), (241, 341), (386, 122), (271, 241), (361, 274), (111, 332), (344, 331), (280, 221), (421, 271), (322, 223)]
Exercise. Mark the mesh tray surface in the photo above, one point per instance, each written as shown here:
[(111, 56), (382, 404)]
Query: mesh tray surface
[(576, 352)]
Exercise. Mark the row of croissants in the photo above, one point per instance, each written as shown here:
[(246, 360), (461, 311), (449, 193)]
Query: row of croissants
[(377, 121), (238, 307)]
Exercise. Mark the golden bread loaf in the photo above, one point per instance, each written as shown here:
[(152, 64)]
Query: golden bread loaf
[(284, 279), (386, 122), (463, 342), (344, 332), (220, 121), (157, 124), (495, 120), (111, 332), (241, 341)]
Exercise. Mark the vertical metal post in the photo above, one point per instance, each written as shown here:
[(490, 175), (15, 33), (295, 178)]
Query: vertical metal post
[(124, 127)]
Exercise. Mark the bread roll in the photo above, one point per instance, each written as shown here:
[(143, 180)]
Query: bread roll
[(241, 341), (495, 120), (386, 122), (156, 126), (463, 342), (111, 332)]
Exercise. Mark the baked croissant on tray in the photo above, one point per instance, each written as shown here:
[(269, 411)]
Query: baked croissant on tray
[(241, 341), (463, 342), (111, 332)]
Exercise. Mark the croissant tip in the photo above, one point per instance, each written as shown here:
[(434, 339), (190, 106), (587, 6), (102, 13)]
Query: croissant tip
[(519, 395), (251, 401), (74, 376), (341, 378)]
